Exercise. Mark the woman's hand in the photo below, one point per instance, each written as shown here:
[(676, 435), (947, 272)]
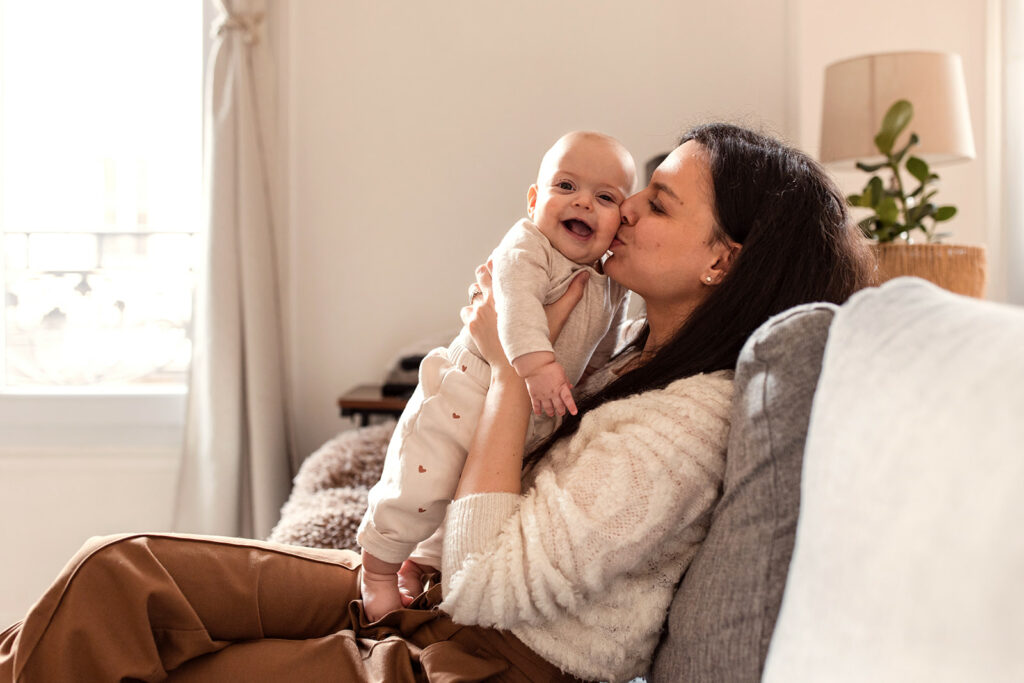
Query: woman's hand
[(481, 317)]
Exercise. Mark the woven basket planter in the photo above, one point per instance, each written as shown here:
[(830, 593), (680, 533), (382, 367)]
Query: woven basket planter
[(957, 267)]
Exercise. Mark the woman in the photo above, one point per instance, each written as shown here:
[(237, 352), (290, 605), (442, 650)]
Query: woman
[(571, 552)]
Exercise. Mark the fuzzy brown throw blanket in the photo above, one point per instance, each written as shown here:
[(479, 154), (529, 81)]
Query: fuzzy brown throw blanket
[(328, 495)]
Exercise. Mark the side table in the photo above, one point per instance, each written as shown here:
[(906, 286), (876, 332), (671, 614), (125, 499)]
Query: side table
[(366, 400)]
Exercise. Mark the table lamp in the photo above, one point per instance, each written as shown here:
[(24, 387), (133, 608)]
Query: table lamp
[(858, 92)]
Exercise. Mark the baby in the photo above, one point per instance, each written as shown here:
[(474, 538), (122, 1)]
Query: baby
[(573, 211)]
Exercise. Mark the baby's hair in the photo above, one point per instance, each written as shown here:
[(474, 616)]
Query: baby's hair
[(627, 159)]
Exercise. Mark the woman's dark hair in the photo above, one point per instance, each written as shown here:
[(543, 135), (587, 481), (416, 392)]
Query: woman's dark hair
[(798, 245)]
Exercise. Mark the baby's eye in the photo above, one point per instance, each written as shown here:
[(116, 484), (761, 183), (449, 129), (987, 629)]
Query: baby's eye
[(604, 196), (565, 185)]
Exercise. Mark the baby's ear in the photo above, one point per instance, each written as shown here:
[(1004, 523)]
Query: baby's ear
[(531, 200)]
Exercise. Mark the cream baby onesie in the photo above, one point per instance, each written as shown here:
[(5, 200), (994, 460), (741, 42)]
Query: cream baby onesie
[(426, 454)]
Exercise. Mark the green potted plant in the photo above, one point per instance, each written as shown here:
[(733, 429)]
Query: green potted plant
[(897, 212)]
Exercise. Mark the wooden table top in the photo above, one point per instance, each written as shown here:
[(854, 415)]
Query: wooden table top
[(368, 397)]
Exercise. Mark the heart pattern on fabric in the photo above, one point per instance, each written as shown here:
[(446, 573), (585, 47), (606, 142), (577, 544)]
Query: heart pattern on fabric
[(456, 416), (463, 368), (422, 469), (421, 509)]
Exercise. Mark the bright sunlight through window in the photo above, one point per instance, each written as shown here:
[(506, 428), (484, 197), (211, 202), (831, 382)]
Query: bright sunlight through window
[(100, 190)]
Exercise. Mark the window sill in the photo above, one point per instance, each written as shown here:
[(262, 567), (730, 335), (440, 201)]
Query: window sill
[(148, 418)]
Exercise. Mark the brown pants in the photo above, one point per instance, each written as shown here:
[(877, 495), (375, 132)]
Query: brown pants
[(193, 608)]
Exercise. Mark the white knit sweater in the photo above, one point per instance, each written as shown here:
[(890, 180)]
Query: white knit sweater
[(582, 566)]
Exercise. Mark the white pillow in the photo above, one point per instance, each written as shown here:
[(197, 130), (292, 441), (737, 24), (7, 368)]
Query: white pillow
[(909, 556)]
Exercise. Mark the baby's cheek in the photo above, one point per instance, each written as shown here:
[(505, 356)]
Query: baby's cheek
[(612, 222)]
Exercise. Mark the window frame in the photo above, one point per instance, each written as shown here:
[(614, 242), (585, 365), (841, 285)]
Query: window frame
[(69, 419)]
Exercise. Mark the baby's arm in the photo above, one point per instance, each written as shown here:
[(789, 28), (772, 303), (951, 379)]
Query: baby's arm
[(379, 585), (550, 391), (522, 277)]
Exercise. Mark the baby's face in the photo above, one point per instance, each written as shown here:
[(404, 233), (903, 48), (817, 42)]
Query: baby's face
[(575, 202)]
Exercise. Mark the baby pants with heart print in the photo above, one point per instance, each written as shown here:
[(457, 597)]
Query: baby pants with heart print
[(406, 508)]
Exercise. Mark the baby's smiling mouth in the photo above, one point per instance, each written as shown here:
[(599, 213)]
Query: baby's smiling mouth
[(578, 228)]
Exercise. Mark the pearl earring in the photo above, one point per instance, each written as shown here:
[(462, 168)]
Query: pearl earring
[(708, 279)]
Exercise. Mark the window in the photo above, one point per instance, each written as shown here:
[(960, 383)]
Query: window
[(100, 192)]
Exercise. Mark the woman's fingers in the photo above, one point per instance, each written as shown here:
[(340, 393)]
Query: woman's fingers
[(480, 318), (483, 277), (481, 287)]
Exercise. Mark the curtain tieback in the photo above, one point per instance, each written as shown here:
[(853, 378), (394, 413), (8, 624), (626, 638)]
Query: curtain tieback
[(248, 24)]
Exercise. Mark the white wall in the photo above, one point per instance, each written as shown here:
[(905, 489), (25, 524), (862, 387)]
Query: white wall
[(77, 466), (415, 130), (51, 501)]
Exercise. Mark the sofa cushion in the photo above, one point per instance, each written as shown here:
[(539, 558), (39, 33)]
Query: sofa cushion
[(721, 619), (909, 557)]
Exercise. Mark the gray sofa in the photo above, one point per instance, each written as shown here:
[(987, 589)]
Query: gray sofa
[(869, 526)]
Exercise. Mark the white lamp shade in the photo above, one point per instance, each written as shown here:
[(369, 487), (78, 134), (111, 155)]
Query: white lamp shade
[(859, 91)]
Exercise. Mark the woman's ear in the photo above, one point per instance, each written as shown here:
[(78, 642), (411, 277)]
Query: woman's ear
[(726, 253), (531, 200)]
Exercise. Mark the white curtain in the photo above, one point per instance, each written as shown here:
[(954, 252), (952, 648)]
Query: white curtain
[(1013, 148), (236, 468)]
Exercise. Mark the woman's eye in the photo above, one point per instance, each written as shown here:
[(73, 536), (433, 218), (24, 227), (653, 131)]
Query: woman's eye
[(565, 185), (654, 207)]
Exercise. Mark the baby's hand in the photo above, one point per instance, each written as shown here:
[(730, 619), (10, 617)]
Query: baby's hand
[(550, 390), (380, 594)]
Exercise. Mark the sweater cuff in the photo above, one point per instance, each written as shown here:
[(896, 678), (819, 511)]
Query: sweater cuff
[(472, 525)]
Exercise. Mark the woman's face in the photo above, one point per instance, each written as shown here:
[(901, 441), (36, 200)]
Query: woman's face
[(663, 250)]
